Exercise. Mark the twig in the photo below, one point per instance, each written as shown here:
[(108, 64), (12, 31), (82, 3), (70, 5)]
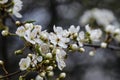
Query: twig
[(98, 46), (10, 75)]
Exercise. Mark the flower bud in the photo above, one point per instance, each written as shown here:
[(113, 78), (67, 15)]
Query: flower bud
[(17, 23), (1, 62), (75, 35), (57, 78), (51, 46), (117, 31), (74, 47), (5, 33), (81, 49), (91, 53), (50, 73), (48, 55), (18, 52), (50, 68), (103, 45), (62, 75), (44, 37), (42, 74), (47, 61)]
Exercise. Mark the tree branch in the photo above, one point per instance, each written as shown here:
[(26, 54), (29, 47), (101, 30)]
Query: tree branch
[(98, 46), (11, 74)]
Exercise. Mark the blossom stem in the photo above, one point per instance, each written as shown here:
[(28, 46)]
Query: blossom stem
[(11, 74), (98, 46)]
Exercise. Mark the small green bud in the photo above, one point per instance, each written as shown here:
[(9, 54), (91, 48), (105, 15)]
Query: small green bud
[(42, 74), (62, 75), (18, 52), (49, 68), (50, 73), (18, 23), (74, 47), (92, 53), (75, 35), (48, 55), (103, 45), (5, 33), (1, 62), (47, 62), (81, 49)]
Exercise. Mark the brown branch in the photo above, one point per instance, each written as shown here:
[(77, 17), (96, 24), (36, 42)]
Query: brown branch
[(98, 46), (11, 74)]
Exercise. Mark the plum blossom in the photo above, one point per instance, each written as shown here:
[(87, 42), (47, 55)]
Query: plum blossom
[(60, 56), (31, 34), (3, 1), (117, 34), (103, 17), (81, 38), (110, 28), (17, 7), (58, 40), (35, 59), (72, 30), (20, 31), (95, 34), (60, 31), (24, 63)]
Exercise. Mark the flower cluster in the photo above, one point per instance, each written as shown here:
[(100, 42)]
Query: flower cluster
[(50, 48), (113, 31), (14, 6)]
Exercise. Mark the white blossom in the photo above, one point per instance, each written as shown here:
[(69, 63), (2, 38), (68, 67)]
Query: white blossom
[(24, 63), (81, 38), (17, 7), (103, 45), (38, 77), (117, 37), (60, 56), (58, 40), (103, 17), (32, 32), (3, 1), (30, 36), (95, 34), (72, 30), (117, 34), (20, 31), (60, 31), (29, 26), (35, 59), (110, 28)]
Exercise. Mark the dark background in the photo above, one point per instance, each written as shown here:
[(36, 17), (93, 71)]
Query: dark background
[(105, 65)]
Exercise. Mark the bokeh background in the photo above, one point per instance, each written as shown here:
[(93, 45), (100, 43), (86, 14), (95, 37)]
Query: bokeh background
[(104, 65)]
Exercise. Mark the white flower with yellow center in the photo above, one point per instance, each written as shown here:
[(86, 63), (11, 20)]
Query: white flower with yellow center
[(29, 26), (35, 59), (3, 1), (17, 7), (60, 57), (20, 31), (95, 34), (60, 31), (58, 40), (73, 31), (31, 34), (24, 63)]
